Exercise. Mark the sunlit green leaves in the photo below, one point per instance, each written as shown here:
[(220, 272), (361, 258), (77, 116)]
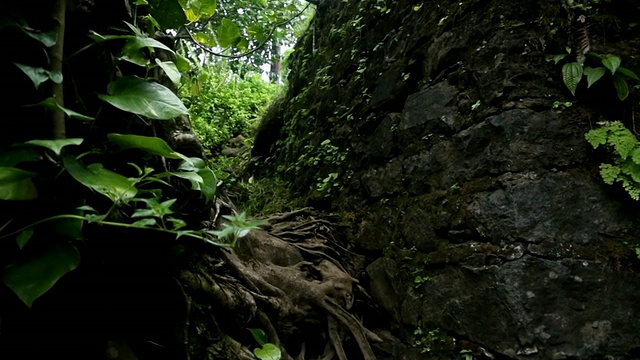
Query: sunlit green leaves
[(112, 185), (228, 33), (34, 277), (55, 145), (168, 14), (182, 63), (145, 98), (16, 184), (151, 145), (571, 75), (171, 70), (268, 352), (196, 9)]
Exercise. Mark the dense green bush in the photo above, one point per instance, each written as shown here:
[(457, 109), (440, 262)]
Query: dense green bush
[(223, 105)]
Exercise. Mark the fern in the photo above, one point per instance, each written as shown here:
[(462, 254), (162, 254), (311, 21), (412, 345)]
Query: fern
[(625, 149)]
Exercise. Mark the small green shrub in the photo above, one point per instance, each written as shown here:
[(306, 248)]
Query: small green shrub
[(223, 105)]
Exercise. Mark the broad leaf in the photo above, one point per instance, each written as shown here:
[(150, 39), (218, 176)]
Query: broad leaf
[(182, 63), (268, 352), (38, 76), (47, 39), (168, 14), (171, 70), (256, 32), (52, 104), (16, 184), (205, 39), (593, 75), (13, 157), (259, 335), (141, 97), (32, 279), (209, 185), (628, 73), (140, 42), (622, 89), (228, 33), (23, 238), (55, 145), (115, 186), (151, 145), (612, 63), (571, 75), (196, 9)]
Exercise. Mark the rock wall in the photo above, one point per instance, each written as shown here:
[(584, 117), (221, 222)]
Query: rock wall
[(476, 199)]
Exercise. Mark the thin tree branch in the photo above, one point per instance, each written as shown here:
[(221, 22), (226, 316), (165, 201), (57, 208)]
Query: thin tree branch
[(56, 52)]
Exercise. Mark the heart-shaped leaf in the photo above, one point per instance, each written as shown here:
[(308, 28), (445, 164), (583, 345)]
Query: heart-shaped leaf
[(115, 186), (145, 98), (228, 33), (612, 63), (268, 352), (593, 75), (33, 278), (151, 145), (55, 145), (622, 89)]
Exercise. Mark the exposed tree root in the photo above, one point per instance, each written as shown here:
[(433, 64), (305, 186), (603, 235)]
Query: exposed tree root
[(288, 281)]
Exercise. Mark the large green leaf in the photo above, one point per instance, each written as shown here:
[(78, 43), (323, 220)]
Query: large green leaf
[(622, 89), (182, 63), (626, 72), (52, 104), (152, 145), (268, 352), (228, 33), (16, 184), (115, 186), (15, 156), (145, 98), (612, 63), (168, 14), (33, 278), (571, 75), (196, 9), (171, 70), (55, 145), (39, 75), (593, 75), (47, 39)]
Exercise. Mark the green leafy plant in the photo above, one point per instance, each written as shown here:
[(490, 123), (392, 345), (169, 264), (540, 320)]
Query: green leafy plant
[(625, 149), (223, 105), (574, 72)]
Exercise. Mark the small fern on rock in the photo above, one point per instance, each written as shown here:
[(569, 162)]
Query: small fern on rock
[(626, 151)]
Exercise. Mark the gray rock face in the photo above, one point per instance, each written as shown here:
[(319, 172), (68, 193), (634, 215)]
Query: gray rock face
[(465, 173)]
